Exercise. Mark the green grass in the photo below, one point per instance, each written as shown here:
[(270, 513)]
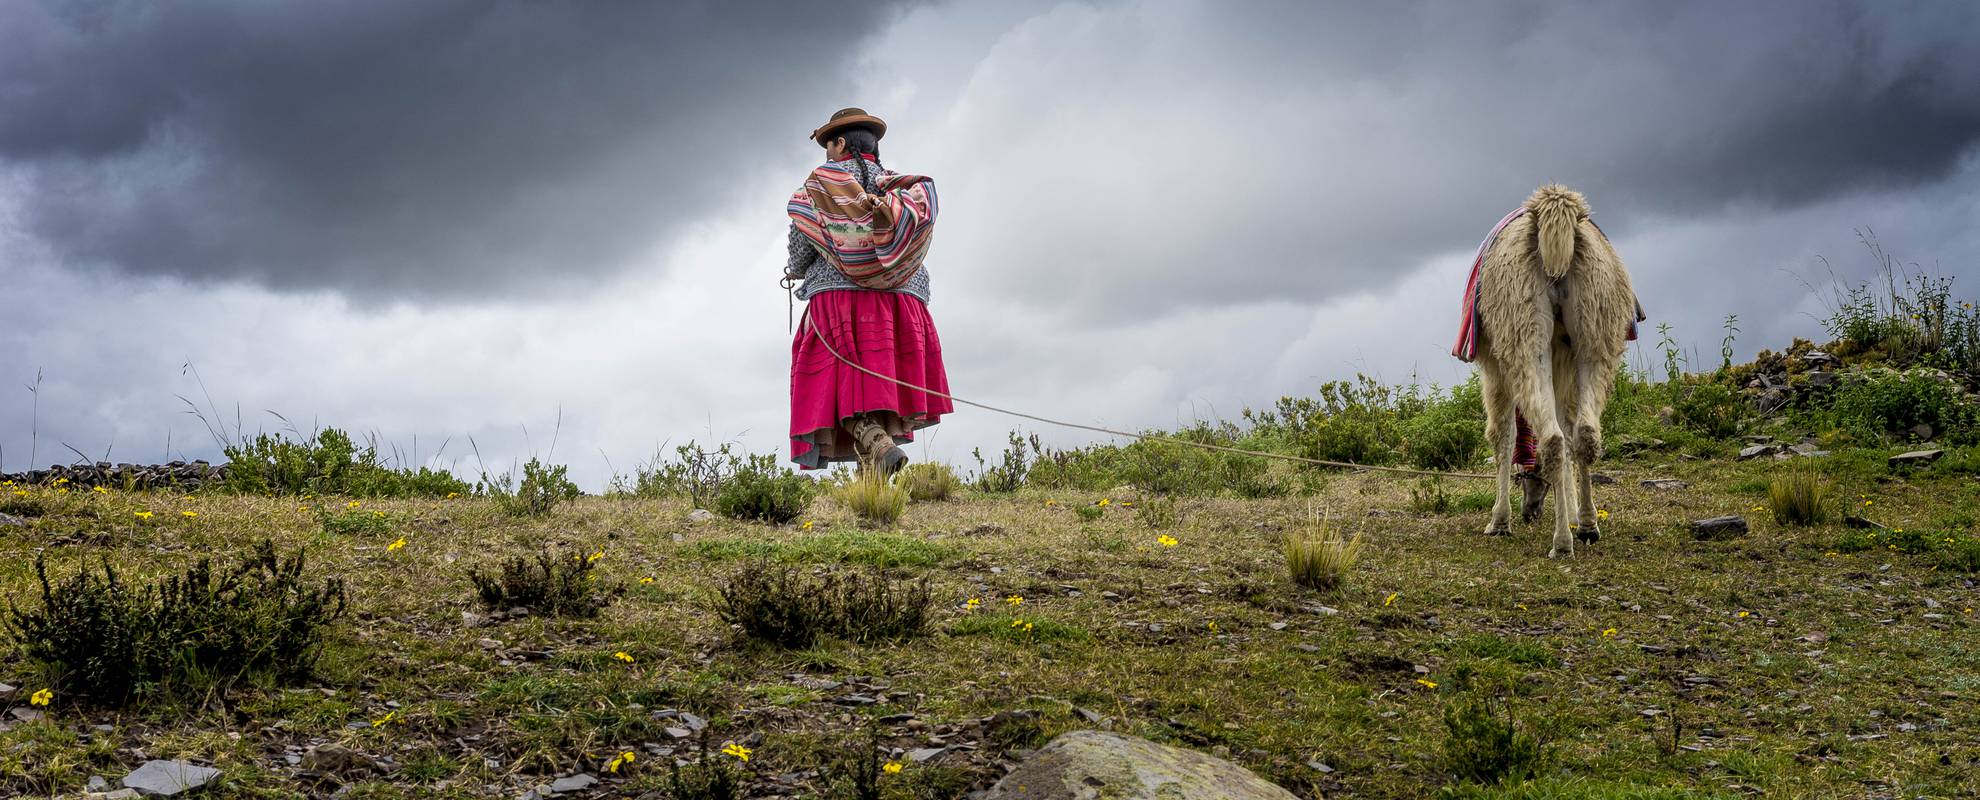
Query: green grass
[(1121, 629)]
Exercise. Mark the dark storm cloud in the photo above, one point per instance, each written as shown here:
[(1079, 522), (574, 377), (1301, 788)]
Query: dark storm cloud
[(432, 147)]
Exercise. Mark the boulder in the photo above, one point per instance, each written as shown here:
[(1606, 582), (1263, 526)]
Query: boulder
[(1719, 528), (1915, 458), (1820, 379), (1664, 483), (1757, 451), (158, 778), (1096, 765)]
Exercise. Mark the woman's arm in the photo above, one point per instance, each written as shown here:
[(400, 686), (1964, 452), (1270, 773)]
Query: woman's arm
[(801, 255)]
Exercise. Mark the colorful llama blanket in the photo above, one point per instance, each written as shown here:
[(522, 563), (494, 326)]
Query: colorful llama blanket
[(1469, 323), (877, 240)]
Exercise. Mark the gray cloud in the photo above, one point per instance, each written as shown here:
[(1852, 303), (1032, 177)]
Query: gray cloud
[(442, 148)]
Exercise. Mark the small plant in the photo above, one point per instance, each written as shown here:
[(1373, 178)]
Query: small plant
[(1799, 498), (791, 608), (1428, 497), (711, 776), (551, 583), (353, 520), (1088, 513), (110, 642), (877, 502), (1485, 747), (696, 473), (328, 462), (1157, 513), (929, 482), (855, 773), (1009, 475), (543, 488), (764, 497), (1321, 557)]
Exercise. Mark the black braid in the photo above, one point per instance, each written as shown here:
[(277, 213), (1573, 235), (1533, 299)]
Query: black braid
[(862, 140)]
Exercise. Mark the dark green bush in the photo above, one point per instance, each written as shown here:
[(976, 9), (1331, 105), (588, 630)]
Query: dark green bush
[(109, 643), (327, 463), (712, 776), (542, 489), (1008, 475), (1880, 404), (1485, 747), (765, 497), (695, 472), (1711, 409), (789, 607), (1449, 433), (550, 583)]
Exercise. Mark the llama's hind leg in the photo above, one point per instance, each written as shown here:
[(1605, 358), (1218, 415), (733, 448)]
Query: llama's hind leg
[(1590, 529), (1498, 432), (1593, 380), (1557, 456)]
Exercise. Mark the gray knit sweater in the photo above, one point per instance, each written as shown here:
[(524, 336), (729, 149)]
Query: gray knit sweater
[(820, 276)]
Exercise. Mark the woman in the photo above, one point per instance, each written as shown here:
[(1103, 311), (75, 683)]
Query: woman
[(858, 235)]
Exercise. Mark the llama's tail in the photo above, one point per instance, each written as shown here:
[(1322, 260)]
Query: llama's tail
[(1557, 211)]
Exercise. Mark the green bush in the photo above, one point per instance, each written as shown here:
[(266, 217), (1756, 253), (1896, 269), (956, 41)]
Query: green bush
[(1883, 404), (108, 643), (696, 473), (353, 520), (765, 497), (327, 463), (1449, 433), (1711, 409), (875, 501), (789, 607), (551, 583), (1007, 475), (1485, 747), (543, 488), (1158, 513)]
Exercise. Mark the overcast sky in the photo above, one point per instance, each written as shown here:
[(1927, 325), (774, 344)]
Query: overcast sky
[(438, 220)]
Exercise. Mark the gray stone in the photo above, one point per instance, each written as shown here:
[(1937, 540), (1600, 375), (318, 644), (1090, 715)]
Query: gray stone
[(120, 794), (96, 783), (1664, 483), (1821, 379), (1916, 458), (1758, 451), (336, 759), (158, 778), (1601, 479), (1089, 765), (11, 521), (573, 783), (701, 515), (1922, 432), (1719, 528), (923, 754)]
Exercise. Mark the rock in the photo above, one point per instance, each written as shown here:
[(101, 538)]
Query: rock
[(7, 691), (96, 783), (574, 783), (120, 794), (1086, 765), (701, 515), (26, 714), (1758, 451), (1666, 484), (1915, 458), (923, 754), (1922, 432), (984, 529), (158, 778), (11, 521), (336, 759), (1719, 528), (1820, 379), (1854, 521), (1601, 479), (1819, 357)]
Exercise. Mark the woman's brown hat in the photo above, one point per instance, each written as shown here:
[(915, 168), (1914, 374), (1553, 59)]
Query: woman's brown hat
[(846, 118)]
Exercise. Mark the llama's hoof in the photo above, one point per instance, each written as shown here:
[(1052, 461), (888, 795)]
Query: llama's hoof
[(1498, 529), (1588, 533), (1561, 553)]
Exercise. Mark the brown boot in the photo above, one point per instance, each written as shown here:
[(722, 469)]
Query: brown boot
[(1532, 495), (875, 446)]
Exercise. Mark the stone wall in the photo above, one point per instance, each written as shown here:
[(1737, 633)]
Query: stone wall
[(182, 475)]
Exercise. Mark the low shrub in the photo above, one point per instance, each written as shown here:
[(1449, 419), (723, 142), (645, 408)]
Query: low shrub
[(711, 776), (1320, 558), (1007, 475), (549, 583), (1428, 497), (1449, 433), (764, 497), (1799, 498), (353, 520), (874, 500), (695, 472), (1088, 513), (1485, 747), (328, 462), (1884, 404), (542, 489), (108, 642), (1158, 513), (929, 482), (1712, 410), (792, 608)]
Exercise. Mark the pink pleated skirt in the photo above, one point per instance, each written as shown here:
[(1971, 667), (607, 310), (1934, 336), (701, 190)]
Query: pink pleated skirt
[(887, 332)]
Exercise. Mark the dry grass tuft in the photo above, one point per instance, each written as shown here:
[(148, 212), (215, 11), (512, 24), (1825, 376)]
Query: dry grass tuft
[(876, 501), (1321, 557), (929, 482), (1799, 498)]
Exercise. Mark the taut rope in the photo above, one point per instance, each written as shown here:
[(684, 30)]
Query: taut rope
[(813, 327)]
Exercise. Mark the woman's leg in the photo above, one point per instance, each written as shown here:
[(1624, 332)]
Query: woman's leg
[(1532, 488), (875, 445)]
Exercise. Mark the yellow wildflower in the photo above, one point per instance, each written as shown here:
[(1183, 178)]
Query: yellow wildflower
[(739, 751), (1050, 503), (142, 514), (452, 495), (595, 556), (1520, 606), (1427, 683), (623, 656), (43, 697), (99, 490), (189, 514), (1213, 625), (1608, 633), (1017, 623), (647, 579), (1166, 540), (1744, 615), (1390, 600), (1602, 514), (891, 767), (389, 717), (1104, 502), (396, 546), (352, 504), (973, 603), (1014, 600), (807, 525), (621, 760)]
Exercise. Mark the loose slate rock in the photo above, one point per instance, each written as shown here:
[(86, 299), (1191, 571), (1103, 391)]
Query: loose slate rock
[(1095, 764), (1758, 451), (1916, 458), (1664, 483), (1719, 528), (574, 783), (158, 778)]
